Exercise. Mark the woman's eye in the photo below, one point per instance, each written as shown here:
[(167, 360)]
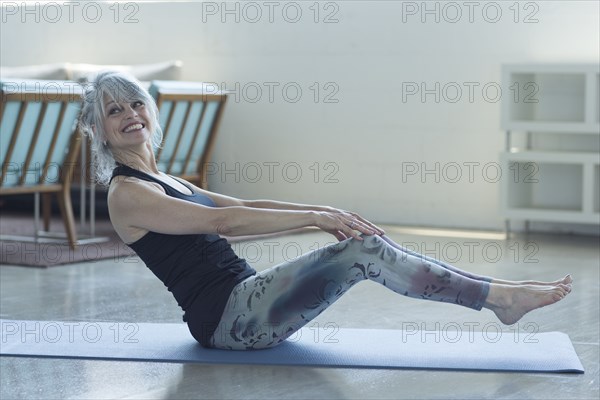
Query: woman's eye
[(138, 103), (113, 110)]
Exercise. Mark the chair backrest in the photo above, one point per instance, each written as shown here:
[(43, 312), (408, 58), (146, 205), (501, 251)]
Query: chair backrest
[(38, 140), (189, 115)]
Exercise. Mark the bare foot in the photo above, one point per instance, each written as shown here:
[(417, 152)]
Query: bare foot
[(565, 281), (510, 303)]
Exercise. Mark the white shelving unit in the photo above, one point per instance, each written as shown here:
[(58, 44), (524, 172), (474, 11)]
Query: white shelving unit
[(551, 164)]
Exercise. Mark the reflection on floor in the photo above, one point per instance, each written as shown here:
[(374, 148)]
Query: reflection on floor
[(124, 290)]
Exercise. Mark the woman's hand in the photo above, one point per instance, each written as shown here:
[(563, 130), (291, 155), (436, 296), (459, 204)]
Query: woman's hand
[(343, 224)]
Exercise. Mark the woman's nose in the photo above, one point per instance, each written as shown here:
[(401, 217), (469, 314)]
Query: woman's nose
[(130, 111)]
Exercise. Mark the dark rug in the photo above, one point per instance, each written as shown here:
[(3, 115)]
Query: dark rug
[(48, 254)]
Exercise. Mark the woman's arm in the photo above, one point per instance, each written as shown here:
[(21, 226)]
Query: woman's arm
[(279, 205), (227, 201), (143, 205)]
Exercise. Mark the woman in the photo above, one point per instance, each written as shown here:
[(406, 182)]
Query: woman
[(174, 227)]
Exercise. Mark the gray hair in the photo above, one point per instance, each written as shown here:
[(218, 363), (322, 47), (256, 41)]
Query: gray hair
[(119, 87)]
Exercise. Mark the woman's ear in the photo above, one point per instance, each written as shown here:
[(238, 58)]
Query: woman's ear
[(93, 126)]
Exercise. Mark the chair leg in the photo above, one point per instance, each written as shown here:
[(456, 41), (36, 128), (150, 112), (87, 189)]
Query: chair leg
[(66, 210), (46, 210)]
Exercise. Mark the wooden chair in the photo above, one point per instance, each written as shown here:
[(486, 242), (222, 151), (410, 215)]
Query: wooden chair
[(190, 114), (39, 144)]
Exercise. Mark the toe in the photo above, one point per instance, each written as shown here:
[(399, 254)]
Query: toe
[(556, 297), (561, 291)]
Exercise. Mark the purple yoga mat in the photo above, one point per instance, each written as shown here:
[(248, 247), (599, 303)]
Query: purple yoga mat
[(326, 346)]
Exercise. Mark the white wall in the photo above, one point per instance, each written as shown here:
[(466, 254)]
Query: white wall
[(371, 135)]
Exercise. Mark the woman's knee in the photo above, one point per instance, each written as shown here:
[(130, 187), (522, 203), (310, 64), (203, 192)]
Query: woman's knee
[(372, 240), (369, 243), (376, 248)]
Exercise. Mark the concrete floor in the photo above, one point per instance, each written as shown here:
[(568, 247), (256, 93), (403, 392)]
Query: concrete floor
[(124, 290)]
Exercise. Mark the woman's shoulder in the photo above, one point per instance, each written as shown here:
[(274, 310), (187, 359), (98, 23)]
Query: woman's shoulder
[(125, 190), (124, 193)]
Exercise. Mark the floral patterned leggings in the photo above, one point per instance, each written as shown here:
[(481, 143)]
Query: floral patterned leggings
[(267, 308)]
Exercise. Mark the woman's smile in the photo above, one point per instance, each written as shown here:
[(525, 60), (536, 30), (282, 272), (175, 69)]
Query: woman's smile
[(135, 126)]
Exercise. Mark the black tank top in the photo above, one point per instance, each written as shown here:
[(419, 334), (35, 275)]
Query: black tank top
[(200, 270)]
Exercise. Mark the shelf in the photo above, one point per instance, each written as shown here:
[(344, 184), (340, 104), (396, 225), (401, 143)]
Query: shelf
[(552, 98), (553, 127), (551, 215), (551, 186), (559, 142), (568, 157), (544, 186), (547, 97), (596, 190), (597, 95), (553, 172)]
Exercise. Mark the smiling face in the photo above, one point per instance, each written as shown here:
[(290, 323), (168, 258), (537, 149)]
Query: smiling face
[(126, 123), (121, 118)]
